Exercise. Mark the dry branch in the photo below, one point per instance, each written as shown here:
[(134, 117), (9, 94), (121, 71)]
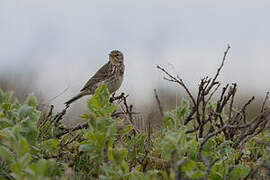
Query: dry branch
[(159, 104), (203, 114)]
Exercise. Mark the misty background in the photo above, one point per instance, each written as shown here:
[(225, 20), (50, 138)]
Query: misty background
[(48, 47)]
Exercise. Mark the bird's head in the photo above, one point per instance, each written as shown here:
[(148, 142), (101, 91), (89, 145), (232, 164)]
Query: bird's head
[(116, 57)]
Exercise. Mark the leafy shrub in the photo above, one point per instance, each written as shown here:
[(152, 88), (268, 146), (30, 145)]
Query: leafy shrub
[(19, 146), (200, 139)]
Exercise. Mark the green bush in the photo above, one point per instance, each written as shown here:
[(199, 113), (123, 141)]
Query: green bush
[(19, 145), (32, 146)]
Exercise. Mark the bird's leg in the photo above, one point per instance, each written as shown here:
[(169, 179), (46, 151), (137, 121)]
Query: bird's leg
[(112, 98)]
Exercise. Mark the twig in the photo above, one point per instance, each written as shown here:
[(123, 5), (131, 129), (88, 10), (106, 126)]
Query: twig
[(210, 165), (176, 166), (116, 114), (80, 126), (146, 159), (58, 95), (50, 112), (259, 119), (128, 108), (213, 82), (192, 130), (206, 139), (106, 147), (47, 117), (189, 117), (232, 100), (264, 102), (113, 98), (73, 139), (179, 81), (243, 109), (60, 115), (211, 95), (159, 104)]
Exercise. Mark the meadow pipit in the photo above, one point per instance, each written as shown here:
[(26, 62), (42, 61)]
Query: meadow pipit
[(111, 74)]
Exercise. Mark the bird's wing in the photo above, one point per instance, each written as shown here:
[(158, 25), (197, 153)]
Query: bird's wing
[(100, 75)]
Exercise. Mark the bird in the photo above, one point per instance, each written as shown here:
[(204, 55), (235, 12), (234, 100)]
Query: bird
[(111, 74)]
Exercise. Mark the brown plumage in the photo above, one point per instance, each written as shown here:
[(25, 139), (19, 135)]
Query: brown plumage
[(111, 74)]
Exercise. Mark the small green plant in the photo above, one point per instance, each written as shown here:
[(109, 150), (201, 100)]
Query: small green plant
[(19, 148)]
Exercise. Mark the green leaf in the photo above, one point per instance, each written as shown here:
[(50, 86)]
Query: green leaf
[(16, 104), (109, 109), (25, 160), (125, 130), (168, 120), (24, 146), (101, 138), (6, 106), (17, 170), (16, 132), (183, 110), (24, 111), (192, 149), (189, 166), (5, 97), (50, 147), (43, 168), (119, 155), (4, 122), (6, 154), (31, 101), (181, 139), (108, 169), (87, 148), (29, 131), (101, 96), (84, 116), (209, 145), (239, 171)]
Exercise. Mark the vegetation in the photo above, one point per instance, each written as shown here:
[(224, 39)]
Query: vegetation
[(200, 139)]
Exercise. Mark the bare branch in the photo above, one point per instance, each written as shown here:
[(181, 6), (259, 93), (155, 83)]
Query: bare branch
[(264, 102), (232, 100), (159, 104), (179, 81), (211, 95), (219, 69)]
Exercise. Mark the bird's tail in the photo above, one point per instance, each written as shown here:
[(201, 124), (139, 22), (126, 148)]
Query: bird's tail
[(81, 94)]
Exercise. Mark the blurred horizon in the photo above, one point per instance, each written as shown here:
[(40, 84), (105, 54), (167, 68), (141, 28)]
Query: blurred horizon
[(49, 46)]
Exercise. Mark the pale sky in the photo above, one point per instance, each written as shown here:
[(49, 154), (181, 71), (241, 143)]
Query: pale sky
[(66, 41)]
